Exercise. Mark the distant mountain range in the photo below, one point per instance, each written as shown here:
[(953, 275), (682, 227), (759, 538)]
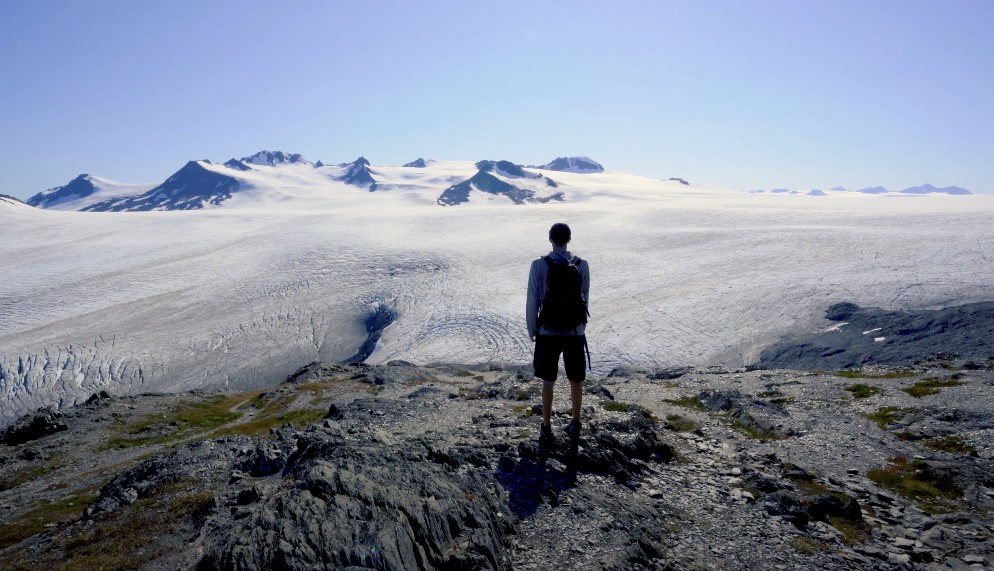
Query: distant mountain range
[(275, 176), (203, 183), (879, 190)]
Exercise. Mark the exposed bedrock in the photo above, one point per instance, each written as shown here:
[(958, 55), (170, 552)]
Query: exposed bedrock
[(345, 495), (874, 336), (350, 492)]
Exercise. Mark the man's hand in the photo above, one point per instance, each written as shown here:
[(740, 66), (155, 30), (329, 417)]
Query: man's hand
[(533, 338)]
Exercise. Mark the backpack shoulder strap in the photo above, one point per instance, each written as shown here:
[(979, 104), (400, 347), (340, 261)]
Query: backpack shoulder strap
[(548, 260)]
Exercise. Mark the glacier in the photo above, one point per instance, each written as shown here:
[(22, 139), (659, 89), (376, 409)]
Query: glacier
[(293, 266)]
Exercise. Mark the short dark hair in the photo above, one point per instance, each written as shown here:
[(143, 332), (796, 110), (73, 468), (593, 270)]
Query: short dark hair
[(559, 233)]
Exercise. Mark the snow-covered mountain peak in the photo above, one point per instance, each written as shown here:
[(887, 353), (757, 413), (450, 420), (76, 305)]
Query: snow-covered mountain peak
[(6, 200), (83, 191), (273, 158), (506, 168), (417, 163), (502, 180), (237, 165), (197, 184), (79, 187), (358, 174), (572, 164)]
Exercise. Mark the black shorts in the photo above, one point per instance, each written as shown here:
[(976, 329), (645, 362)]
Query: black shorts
[(547, 351)]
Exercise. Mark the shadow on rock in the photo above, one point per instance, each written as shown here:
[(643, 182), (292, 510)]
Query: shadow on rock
[(620, 448)]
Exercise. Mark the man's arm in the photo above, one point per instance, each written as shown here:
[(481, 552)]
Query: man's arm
[(534, 298)]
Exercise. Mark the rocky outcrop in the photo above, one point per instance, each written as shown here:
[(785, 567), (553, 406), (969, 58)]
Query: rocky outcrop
[(237, 165), (352, 499), (752, 414), (273, 158), (33, 426), (874, 336), (358, 173)]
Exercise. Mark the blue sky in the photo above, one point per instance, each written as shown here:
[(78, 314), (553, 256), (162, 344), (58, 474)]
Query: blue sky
[(761, 94)]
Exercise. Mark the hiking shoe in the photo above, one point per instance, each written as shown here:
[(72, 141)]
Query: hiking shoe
[(545, 436), (573, 429)]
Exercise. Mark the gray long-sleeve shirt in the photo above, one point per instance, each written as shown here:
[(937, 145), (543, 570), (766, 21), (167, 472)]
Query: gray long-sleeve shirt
[(538, 278)]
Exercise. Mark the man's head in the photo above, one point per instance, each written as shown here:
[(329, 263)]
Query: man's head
[(559, 234)]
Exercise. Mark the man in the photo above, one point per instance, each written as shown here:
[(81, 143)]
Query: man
[(556, 331)]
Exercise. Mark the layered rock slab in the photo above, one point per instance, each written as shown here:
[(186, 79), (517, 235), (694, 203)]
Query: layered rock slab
[(346, 500)]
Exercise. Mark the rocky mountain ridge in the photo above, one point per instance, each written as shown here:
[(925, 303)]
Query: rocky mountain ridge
[(405, 467)]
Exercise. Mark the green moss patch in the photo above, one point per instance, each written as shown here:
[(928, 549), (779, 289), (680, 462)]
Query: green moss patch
[(184, 420), (261, 424), (853, 532), (861, 391), (951, 444), (679, 423), (133, 536), (10, 479), (811, 487), (615, 406), (524, 410), (755, 433), (887, 415), (775, 397), (907, 436), (929, 387), (917, 480), (686, 402), (46, 513), (808, 546), (861, 374)]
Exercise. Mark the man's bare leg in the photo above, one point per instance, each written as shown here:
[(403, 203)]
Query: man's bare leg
[(547, 402), (576, 398)]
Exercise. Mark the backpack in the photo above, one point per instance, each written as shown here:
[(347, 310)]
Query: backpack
[(563, 307)]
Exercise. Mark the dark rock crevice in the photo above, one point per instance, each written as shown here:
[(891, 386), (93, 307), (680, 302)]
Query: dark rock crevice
[(379, 318)]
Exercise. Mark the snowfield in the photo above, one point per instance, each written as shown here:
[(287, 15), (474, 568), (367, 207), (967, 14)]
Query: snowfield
[(288, 270)]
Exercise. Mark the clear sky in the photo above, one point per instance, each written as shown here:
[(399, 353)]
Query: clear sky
[(759, 94)]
